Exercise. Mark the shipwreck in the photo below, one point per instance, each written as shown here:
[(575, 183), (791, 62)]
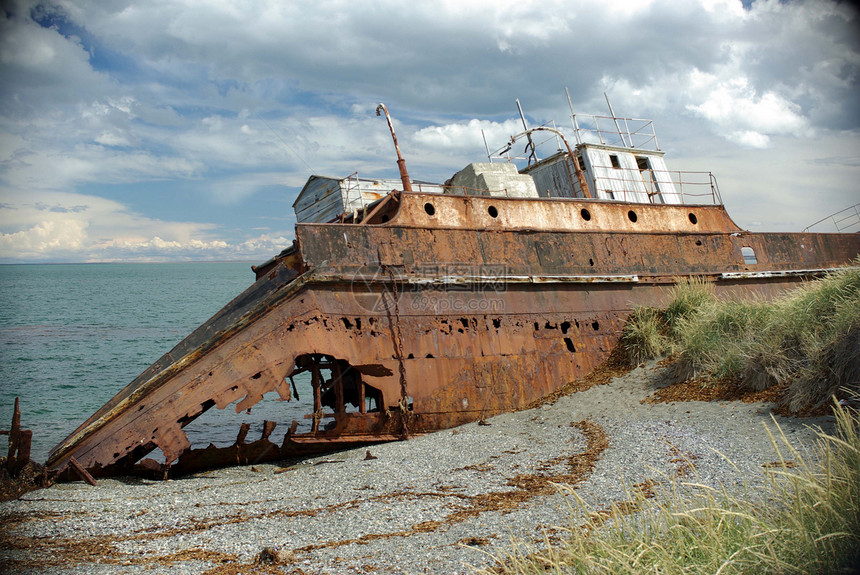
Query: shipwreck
[(414, 307)]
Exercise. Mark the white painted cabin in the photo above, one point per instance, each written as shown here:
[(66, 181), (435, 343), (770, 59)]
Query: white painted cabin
[(324, 199), (611, 173)]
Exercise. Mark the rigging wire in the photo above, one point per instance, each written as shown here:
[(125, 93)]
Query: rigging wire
[(286, 145)]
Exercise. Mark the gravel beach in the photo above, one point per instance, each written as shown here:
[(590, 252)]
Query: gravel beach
[(440, 503)]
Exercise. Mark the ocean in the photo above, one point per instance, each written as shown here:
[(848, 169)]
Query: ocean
[(73, 335)]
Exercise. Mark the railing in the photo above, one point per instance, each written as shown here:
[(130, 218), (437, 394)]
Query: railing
[(694, 188), (353, 183), (539, 142), (467, 191), (428, 188), (622, 132), (843, 220)]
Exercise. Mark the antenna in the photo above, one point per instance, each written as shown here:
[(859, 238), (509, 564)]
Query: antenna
[(572, 117), (569, 101), (557, 138), (531, 144), (617, 127)]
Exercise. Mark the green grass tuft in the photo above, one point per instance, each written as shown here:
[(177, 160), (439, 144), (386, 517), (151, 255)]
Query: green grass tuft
[(808, 340), (644, 336), (690, 297)]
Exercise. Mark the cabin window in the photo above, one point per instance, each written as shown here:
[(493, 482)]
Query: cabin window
[(749, 255), (647, 174), (428, 207), (585, 214), (494, 213), (693, 218), (613, 159), (631, 215)]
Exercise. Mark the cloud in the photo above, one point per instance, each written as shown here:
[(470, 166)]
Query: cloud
[(58, 208), (155, 249), (466, 137), (41, 69), (112, 139), (72, 227), (47, 236), (222, 110), (233, 189), (734, 107)]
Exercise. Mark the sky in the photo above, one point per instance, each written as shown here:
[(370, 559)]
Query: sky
[(183, 130)]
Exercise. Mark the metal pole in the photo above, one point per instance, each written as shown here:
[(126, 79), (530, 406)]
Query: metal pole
[(401, 163), (527, 132), (572, 117), (579, 174), (612, 113)]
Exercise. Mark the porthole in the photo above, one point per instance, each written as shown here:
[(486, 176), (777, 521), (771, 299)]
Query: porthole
[(428, 207), (631, 215), (494, 213), (586, 215), (693, 219), (384, 218), (591, 262)]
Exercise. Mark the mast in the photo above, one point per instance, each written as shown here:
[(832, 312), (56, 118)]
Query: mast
[(573, 117), (401, 163), (617, 126), (531, 144)]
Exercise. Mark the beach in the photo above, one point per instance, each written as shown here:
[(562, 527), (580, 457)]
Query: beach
[(446, 502)]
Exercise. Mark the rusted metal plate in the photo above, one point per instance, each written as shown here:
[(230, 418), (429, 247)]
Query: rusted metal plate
[(420, 251), (559, 215), (411, 326)]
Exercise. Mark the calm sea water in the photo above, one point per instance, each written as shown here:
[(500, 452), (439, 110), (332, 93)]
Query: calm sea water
[(72, 336)]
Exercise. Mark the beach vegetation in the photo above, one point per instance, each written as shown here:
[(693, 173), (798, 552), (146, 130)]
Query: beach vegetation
[(806, 341), (806, 521)]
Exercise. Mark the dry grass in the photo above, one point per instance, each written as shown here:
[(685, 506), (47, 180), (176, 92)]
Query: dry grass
[(809, 522)]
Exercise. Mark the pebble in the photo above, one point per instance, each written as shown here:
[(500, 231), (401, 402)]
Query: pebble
[(420, 506)]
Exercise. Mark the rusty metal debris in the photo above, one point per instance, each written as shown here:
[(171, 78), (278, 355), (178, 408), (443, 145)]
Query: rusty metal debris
[(429, 310), (19, 443), (81, 472), (18, 473)]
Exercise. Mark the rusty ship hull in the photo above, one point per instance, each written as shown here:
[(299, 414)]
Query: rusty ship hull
[(433, 311)]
